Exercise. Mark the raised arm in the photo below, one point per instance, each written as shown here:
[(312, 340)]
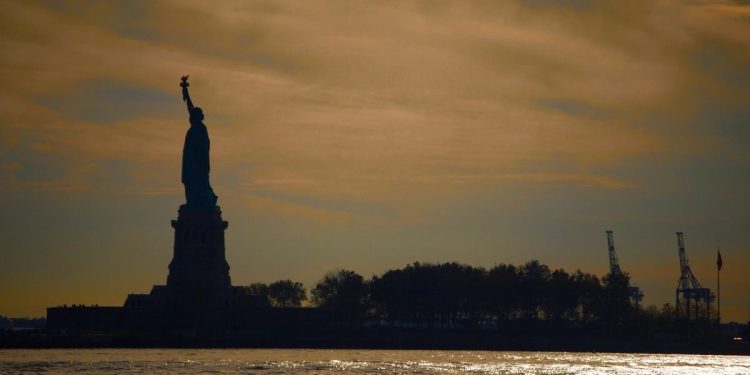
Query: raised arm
[(185, 95)]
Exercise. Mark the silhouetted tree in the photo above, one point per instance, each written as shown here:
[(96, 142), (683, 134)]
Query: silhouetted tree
[(406, 295), (500, 291), (422, 292), (471, 307), (286, 293), (342, 292), (257, 289), (436, 294), (255, 295), (588, 292), (560, 297), (390, 295), (616, 299), (456, 292), (533, 282)]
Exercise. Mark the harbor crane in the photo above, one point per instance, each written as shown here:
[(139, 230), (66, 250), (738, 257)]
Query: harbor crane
[(692, 300), (634, 292)]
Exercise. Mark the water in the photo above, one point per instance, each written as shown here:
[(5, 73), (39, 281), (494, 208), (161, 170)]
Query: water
[(279, 361)]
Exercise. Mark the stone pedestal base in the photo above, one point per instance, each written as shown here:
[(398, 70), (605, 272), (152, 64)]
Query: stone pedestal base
[(198, 284)]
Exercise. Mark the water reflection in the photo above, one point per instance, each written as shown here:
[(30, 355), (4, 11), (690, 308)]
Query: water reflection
[(267, 361)]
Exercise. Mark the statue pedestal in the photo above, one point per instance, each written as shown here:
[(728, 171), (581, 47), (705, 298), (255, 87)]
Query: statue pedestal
[(198, 284)]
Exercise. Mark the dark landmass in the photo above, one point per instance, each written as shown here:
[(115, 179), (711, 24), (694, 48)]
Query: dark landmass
[(384, 338), (421, 306)]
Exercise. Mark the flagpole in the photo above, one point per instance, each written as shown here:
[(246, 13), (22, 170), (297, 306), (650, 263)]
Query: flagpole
[(718, 283)]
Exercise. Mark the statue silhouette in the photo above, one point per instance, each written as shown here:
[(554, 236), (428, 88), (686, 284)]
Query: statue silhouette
[(195, 160)]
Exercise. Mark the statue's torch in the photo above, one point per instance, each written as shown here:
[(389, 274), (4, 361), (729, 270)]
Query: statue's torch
[(184, 84)]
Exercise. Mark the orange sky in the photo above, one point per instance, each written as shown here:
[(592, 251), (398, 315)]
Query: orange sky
[(371, 135)]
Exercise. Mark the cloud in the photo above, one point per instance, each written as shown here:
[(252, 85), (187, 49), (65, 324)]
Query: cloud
[(107, 102), (348, 206), (575, 108), (375, 97), (370, 99)]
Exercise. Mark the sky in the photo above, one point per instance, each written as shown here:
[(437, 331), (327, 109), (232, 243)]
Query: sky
[(369, 135)]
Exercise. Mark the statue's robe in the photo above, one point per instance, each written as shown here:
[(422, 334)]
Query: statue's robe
[(196, 166)]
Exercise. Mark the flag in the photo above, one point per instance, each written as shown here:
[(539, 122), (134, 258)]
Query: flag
[(719, 263)]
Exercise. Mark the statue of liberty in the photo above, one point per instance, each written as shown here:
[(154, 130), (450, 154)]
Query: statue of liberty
[(195, 160)]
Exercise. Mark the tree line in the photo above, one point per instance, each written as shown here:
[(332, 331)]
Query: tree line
[(446, 295)]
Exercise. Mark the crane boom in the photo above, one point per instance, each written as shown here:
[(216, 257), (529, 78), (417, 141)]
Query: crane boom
[(634, 292), (692, 301), (614, 265), (687, 279), (681, 251)]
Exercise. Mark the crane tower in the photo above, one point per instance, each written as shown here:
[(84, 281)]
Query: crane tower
[(692, 300), (634, 292)]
